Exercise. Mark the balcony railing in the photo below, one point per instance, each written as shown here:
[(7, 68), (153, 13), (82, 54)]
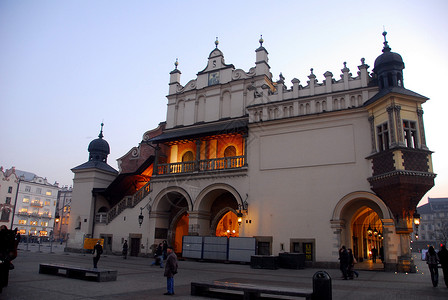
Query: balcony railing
[(233, 162), (37, 204)]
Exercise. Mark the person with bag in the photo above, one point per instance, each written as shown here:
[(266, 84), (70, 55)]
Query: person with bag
[(97, 251), (170, 271), (432, 260)]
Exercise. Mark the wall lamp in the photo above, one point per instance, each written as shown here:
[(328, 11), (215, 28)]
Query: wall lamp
[(141, 217)]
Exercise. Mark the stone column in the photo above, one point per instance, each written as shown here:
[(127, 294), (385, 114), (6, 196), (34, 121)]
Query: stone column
[(421, 129), (372, 133), (393, 137)]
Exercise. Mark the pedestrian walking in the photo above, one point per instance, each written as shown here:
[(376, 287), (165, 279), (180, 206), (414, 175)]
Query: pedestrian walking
[(170, 271), (432, 260), (443, 259), (343, 262), (164, 249), (351, 264), (158, 256), (125, 249), (374, 254), (97, 251)]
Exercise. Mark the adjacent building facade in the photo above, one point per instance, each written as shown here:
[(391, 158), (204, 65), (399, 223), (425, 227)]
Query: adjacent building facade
[(433, 228), (34, 204), (8, 192), (305, 168), (62, 214)]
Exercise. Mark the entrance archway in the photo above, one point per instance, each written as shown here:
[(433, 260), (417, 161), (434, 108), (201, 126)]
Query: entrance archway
[(367, 235), (170, 210), (228, 225), (352, 217)]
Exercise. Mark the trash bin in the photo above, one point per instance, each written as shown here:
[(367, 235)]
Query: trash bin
[(321, 286)]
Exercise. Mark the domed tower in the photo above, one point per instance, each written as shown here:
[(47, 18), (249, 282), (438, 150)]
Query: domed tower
[(401, 162), (90, 177), (389, 67), (99, 148)]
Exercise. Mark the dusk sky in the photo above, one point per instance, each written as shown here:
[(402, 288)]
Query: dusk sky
[(67, 66)]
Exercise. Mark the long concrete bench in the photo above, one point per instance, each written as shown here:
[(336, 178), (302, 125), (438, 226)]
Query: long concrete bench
[(250, 291), (77, 272)]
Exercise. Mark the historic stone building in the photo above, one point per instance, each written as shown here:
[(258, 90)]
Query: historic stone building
[(305, 168)]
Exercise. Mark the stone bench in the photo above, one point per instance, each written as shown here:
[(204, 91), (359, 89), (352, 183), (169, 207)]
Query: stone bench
[(77, 272), (250, 291)]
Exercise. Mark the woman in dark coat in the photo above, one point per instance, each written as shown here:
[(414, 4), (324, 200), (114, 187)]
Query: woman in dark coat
[(432, 260)]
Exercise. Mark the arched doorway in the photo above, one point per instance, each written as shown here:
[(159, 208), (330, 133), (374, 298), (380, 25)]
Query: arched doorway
[(363, 222), (228, 225), (367, 235), (170, 213)]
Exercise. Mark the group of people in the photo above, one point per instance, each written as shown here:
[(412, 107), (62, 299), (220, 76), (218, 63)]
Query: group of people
[(433, 258), (347, 263), (162, 253)]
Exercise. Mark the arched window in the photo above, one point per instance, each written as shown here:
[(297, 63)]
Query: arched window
[(230, 151), (188, 156)]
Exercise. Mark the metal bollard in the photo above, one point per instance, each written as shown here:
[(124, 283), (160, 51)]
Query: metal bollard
[(322, 286)]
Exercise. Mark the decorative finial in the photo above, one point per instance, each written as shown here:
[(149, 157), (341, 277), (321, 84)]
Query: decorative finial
[(216, 42), (176, 64), (363, 60), (312, 70), (386, 46), (261, 40), (101, 132)]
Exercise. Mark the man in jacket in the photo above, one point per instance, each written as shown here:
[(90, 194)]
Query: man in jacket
[(170, 270), (97, 251)]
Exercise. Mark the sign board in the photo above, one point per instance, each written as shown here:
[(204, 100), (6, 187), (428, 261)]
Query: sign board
[(90, 243)]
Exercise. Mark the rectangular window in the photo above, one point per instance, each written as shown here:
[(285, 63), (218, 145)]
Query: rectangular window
[(48, 193), (26, 200), (10, 189), (8, 200), (47, 202), (33, 222), (22, 222), (383, 137), (410, 133), (44, 224), (24, 210), (38, 191), (28, 189)]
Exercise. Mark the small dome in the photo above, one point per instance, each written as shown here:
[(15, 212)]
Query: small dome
[(388, 58), (99, 145), (99, 148)]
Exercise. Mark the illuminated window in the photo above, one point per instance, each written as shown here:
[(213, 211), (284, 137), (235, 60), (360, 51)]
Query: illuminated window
[(230, 151), (24, 210), (33, 223), (47, 202), (43, 223), (26, 200), (66, 220), (48, 193), (43, 233), (22, 222), (188, 156), (22, 231)]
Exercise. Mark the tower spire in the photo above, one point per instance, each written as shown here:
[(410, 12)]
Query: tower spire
[(101, 131), (386, 47)]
